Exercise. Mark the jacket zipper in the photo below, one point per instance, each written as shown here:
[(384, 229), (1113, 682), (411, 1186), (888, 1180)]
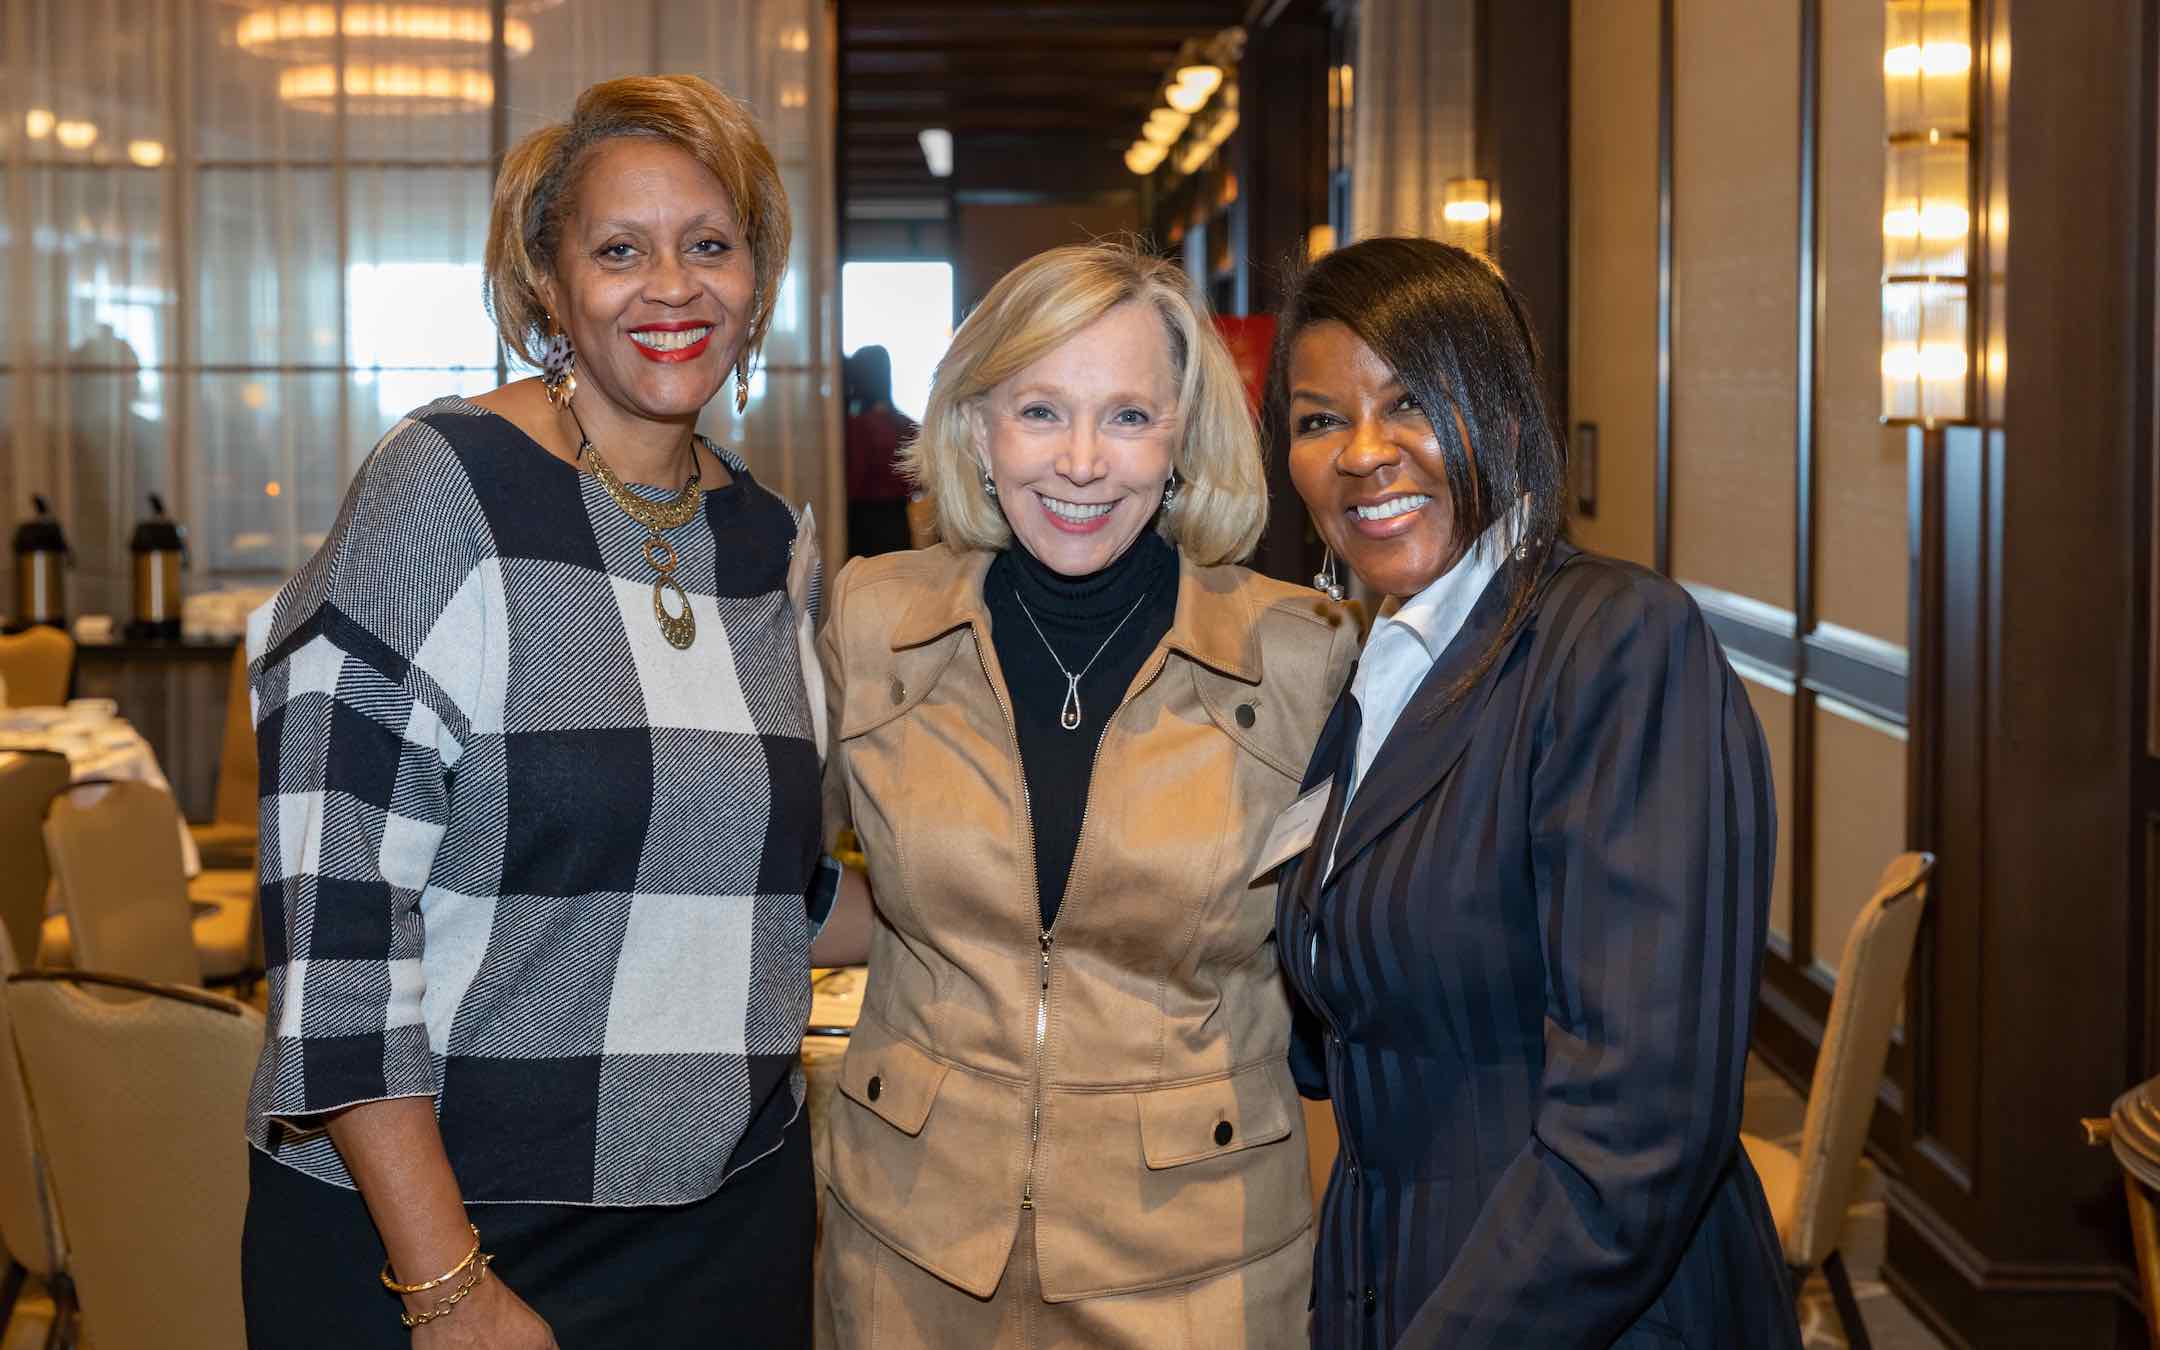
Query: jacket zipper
[(1042, 998), (1048, 936)]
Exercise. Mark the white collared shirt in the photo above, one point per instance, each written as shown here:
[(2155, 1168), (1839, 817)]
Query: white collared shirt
[(1404, 645)]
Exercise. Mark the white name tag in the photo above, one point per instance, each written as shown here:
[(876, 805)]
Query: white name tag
[(1294, 829)]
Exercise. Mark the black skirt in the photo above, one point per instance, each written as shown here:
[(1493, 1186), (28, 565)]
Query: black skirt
[(729, 1270)]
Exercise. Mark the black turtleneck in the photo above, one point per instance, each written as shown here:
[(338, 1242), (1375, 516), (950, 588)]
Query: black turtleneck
[(1077, 616)]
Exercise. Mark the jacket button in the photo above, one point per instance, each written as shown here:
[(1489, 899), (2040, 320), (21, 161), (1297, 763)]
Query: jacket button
[(1372, 1301), (899, 692), (1223, 1132), (876, 1086), (1246, 714)]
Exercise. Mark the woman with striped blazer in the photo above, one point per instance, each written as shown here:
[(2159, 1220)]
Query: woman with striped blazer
[(1528, 927)]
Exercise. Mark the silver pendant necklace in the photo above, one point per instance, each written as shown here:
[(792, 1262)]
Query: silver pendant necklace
[(1069, 717)]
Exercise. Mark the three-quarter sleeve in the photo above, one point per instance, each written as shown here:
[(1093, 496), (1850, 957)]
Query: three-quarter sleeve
[(365, 669), (1653, 831)]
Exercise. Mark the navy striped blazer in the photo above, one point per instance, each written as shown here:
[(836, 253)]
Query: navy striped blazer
[(1527, 982)]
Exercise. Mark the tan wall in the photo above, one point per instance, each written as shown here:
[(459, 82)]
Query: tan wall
[(1859, 817), (991, 239), (1736, 202), (1613, 261), (1860, 513), (1773, 708)]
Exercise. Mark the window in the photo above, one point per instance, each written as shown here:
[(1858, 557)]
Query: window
[(906, 308), (239, 240)]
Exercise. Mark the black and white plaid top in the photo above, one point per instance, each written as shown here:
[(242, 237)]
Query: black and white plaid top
[(520, 854)]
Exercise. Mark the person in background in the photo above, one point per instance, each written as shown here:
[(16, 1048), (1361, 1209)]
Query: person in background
[(1528, 927), (1066, 1116), (877, 514), (540, 805)]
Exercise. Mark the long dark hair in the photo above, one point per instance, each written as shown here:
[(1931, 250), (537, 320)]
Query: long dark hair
[(1455, 333)]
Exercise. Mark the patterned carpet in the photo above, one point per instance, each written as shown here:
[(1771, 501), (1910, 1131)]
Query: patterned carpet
[(1774, 1112)]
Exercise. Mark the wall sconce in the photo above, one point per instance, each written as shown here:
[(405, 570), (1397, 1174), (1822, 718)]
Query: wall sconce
[(1466, 214), (1927, 211)]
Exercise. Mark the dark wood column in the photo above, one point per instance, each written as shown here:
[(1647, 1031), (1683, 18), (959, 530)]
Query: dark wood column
[(2030, 988), (1280, 157), (1522, 151)]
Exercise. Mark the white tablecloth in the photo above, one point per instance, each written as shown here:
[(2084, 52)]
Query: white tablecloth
[(98, 744)]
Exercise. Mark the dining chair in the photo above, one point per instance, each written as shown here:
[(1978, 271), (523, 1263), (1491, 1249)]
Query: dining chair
[(140, 1093), (116, 853), (1810, 1191), (2131, 1129), (29, 1223), (228, 839), (35, 667), (28, 780), (219, 906)]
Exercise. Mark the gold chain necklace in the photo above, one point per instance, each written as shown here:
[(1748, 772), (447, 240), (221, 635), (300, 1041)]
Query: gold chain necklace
[(679, 629)]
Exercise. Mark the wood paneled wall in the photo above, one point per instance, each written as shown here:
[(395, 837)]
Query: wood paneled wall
[(1949, 636)]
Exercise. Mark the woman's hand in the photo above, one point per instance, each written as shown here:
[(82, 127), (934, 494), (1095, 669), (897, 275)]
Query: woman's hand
[(395, 1151), (491, 1317)]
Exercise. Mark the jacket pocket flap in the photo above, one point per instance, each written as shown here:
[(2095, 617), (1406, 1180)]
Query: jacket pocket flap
[(890, 684), (893, 1080), (1181, 1125)]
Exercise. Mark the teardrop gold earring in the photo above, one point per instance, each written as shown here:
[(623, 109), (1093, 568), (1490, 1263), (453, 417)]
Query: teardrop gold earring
[(742, 388)]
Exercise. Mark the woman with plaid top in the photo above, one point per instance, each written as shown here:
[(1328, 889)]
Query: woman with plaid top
[(540, 804)]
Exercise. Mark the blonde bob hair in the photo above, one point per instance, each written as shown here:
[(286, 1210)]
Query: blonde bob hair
[(1222, 493), (536, 190)]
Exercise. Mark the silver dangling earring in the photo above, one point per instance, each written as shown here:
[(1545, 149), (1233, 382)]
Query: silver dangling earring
[(1328, 581), (558, 367), (1169, 493), (989, 485)]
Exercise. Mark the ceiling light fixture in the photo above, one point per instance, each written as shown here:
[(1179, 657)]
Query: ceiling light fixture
[(1201, 75), (936, 143), (1184, 129), (1186, 98), (75, 135), (280, 29), (386, 88), (148, 154), (38, 123)]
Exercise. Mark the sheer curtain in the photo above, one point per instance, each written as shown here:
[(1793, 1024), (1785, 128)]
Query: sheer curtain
[(227, 269), (1415, 113)]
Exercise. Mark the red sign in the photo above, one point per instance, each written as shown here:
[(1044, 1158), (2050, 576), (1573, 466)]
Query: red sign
[(1251, 339)]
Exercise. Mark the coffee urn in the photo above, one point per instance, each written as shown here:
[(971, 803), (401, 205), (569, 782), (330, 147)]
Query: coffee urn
[(160, 547), (41, 556)]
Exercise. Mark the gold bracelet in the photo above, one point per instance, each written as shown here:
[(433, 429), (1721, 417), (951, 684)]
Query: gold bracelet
[(445, 1307), (394, 1287)]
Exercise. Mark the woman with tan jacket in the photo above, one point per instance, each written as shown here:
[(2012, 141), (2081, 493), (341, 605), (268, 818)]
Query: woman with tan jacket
[(1064, 737)]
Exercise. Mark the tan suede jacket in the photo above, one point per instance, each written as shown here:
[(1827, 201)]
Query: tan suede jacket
[(1125, 1074)]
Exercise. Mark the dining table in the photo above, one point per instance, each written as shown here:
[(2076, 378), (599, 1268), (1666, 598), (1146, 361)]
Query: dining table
[(99, 744)]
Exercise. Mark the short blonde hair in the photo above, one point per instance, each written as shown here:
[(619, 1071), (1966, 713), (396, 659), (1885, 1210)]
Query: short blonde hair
[(535, 191), (1222, 498)]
